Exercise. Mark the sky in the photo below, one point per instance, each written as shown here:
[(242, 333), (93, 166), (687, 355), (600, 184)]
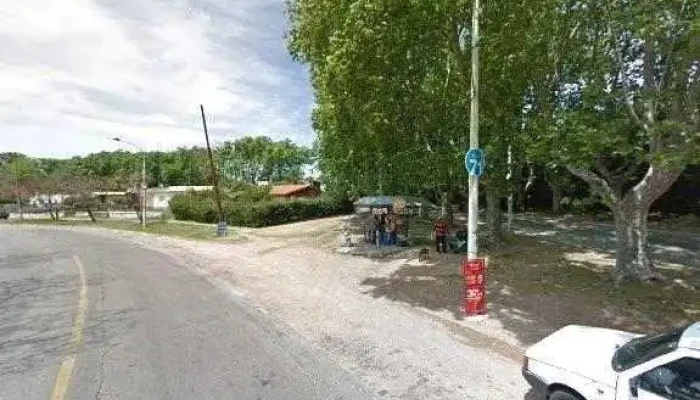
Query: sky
[(76, 73)]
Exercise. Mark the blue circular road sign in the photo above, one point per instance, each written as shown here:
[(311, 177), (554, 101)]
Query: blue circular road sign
[(474, 162)]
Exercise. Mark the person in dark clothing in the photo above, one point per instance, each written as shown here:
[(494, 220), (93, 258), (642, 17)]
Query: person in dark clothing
[(441, 231), (373, 229), (381, 230)]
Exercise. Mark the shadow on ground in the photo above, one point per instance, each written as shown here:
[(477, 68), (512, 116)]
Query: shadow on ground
[(533, 291), (678, 249)]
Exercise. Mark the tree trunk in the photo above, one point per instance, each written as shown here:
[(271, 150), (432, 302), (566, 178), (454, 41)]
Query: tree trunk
[(557, 194), (632, 262), (20, 207), (494, 229), (446, 209), (630, 212), (520, 196), (91, 215), (53, 210)]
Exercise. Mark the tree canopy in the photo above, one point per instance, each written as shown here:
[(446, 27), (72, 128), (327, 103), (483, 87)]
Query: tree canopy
[(254, 158), (606, 90)]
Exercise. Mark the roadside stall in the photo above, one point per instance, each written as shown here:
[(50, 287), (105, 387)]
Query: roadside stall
[(386, 219)]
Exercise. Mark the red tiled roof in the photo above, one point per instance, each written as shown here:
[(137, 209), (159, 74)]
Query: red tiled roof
[(287, 190)]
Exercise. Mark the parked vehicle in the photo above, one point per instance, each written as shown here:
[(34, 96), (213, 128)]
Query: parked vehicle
[(4, 214), (585, 363)]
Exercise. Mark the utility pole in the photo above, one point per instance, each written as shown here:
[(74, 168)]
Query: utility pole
[(473, 222), (222, 229)]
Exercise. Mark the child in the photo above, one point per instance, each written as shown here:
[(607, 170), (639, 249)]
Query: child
[(441, 231)]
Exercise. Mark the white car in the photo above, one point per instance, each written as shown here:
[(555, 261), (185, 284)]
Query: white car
[(584, 363)]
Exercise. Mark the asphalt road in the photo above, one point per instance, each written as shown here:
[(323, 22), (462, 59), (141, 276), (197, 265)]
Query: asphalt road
[(143, 327), (678, 248)]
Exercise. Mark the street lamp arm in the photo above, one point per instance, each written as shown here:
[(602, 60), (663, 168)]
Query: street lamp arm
[(139, 148), (144, 185)]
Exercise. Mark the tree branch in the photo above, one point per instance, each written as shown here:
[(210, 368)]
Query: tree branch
[(598, 185), (669, 55), (457, 49), (621, 67), (654, 184), (609, 176)]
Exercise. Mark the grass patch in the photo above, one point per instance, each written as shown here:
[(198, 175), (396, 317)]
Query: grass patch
[(164, 228)]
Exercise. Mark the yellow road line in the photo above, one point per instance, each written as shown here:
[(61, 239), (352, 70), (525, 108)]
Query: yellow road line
[(65, 372)]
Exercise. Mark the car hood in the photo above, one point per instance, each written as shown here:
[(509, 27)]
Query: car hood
[(583, 350)]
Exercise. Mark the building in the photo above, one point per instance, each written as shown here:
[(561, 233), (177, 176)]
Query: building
[(295, 191), (107, 197), (158, 198), (44, 200)]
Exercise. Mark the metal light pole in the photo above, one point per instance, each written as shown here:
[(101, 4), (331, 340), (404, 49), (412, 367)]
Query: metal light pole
[(144, 186), (473, 222)]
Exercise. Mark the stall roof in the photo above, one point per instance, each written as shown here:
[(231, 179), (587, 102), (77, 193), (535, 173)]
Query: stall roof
[(388, 201)]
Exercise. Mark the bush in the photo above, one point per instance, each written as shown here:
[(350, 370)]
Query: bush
[(200, 207), (166, 215), (194, 206)]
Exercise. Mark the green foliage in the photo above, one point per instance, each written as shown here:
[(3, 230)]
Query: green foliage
[(194, 206), (282, 212), (258, 157), (619, 82), (21, 174), (244, 193), (253, 159), (200, 207), (392, 81)]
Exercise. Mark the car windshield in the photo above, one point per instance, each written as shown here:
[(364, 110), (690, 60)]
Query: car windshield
[(645, 348)]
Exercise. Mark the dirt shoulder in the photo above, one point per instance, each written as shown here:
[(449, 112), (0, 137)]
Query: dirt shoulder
[(535, 287)]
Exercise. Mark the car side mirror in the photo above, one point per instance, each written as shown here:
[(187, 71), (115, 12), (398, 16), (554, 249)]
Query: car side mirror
[(634, 387)]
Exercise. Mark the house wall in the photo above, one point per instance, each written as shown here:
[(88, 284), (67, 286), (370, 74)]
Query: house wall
[(159, 200), (309, 192), (43, 199)]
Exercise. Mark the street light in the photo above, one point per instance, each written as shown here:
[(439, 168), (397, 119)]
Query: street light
[(144, 186)]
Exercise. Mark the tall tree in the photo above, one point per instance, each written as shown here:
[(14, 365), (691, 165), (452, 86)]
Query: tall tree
[(253, 159), (619, 106), (392, 82)]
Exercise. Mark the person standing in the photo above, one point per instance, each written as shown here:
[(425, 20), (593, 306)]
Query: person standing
[(374, 229), (381, 230), (391, 222), (441, 231)]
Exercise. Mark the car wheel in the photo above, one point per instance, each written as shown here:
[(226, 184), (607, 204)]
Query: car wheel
[(563, 395)]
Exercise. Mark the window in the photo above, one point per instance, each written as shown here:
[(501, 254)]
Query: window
[(679, 380), (642, 349)]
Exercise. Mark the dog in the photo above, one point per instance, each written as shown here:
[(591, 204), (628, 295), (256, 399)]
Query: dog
[(424, 254)]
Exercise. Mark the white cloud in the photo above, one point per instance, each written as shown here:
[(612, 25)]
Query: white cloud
[(74, 73)]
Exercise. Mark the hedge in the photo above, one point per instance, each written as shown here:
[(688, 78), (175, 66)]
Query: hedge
[(200, 207)]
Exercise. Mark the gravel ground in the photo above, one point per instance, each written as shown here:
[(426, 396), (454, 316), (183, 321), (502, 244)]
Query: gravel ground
[(399, 351)]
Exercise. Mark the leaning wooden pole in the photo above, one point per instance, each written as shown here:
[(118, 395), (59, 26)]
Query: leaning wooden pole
[(222, 229)]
